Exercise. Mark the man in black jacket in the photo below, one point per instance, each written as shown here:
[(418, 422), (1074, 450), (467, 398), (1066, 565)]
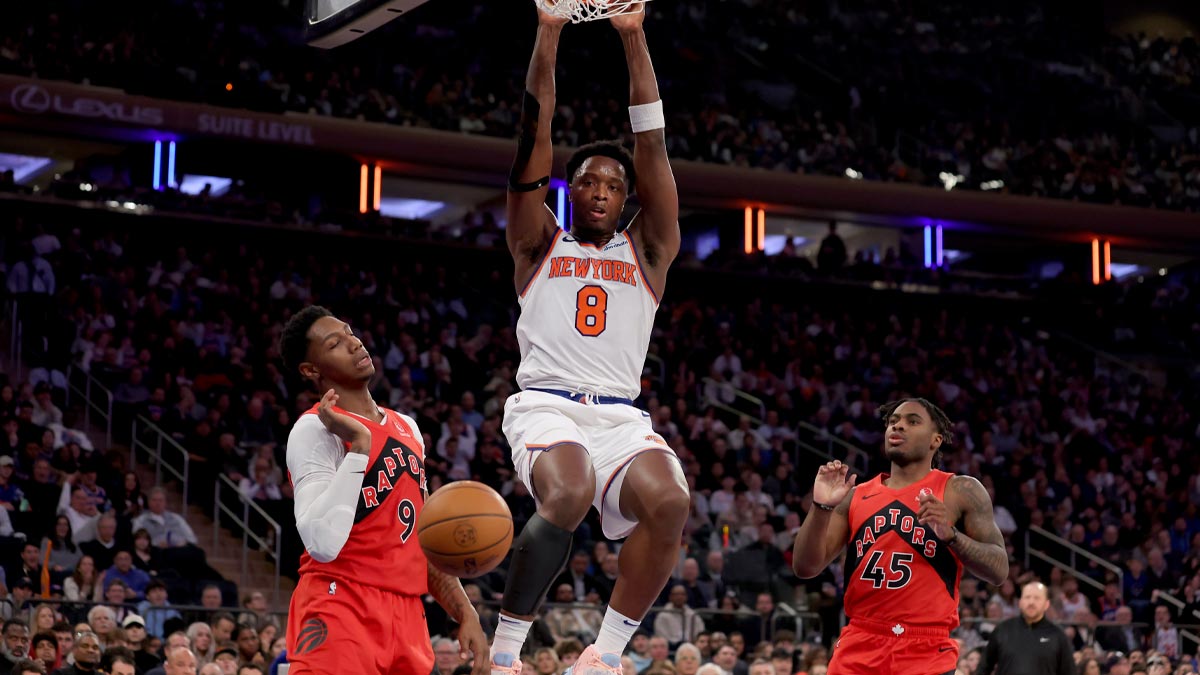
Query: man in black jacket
[(1029, 644)]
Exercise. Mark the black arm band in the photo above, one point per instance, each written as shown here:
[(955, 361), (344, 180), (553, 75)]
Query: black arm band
[(530, 110), (824, 507), (527, 187)]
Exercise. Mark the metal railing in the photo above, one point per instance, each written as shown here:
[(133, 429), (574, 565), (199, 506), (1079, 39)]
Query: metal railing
[(1070, 567), (90, 386), (153, 447), (13, 312), (79, 609), (835, 448), (752, 400), (656, 363), (1178, 604), (274, 549)]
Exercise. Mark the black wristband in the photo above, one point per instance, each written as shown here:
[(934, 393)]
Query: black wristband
[(824, 507), (528, 187)]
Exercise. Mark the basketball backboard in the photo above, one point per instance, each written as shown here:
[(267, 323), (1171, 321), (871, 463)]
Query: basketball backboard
[(330, 23)]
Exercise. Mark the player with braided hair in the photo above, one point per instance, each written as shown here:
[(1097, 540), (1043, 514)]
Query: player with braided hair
[(905, 553)]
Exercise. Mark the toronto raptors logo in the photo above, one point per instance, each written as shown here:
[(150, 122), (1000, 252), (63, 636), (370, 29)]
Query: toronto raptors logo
[(464, 535), (312, 635), (924, 492)]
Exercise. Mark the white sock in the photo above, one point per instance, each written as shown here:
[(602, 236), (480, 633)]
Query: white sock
[(510, 636), (615, 633)]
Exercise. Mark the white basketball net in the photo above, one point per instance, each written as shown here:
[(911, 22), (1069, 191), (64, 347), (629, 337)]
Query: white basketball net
[(589, 10)]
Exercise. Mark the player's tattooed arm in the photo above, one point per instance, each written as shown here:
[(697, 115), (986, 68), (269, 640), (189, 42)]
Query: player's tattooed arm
[(449, 593), (472, 642), (980, 546)]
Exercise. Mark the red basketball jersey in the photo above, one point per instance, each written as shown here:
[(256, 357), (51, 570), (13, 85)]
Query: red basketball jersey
[(896, 569), (382, 550)]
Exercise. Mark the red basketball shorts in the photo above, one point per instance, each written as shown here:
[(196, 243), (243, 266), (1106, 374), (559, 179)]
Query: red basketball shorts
[(872, 648), (337, 626)]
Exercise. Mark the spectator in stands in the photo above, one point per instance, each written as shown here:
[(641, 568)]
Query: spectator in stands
[(203, 645), (226, 658), (257, 613), (135, 580), (28, 667), (11, 494), (64, 554), (167, 529), (118, 661), (1166, 635), (577, 578), (103, 549), (129, 501), (145, 558), (139, 642), (678, 622), (156, 608), (16, 605), (30, 567), (223, 626), (16, 643), (103, 621), (86, 655), (45, 650), (445, 656), (210, 597), (180, 661), (42, 618), (80, 511), (260, 485), (571, 622), (248, 646)]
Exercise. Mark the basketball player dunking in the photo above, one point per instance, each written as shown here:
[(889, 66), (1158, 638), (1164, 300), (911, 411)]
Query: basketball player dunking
[(588, 299), (904, 552), (359, 475)]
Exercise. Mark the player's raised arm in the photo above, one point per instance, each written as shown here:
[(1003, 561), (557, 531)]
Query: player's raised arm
[(657, 225), (827, 526), (530, 222)]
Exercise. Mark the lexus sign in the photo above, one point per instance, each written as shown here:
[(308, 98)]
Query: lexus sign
[(34, 99)]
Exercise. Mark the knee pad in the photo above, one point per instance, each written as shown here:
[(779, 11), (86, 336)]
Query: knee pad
[(540, 554)]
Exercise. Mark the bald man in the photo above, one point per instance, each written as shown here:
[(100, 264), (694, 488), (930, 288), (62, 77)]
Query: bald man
[(1029, 644), (180, 661)]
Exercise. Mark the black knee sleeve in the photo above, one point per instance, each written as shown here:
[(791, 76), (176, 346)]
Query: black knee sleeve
[(539, 555)]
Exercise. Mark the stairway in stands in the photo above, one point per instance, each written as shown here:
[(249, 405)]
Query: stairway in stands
[(226, 556)]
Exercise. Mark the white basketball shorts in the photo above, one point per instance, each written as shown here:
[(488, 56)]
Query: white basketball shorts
[(612, 433)]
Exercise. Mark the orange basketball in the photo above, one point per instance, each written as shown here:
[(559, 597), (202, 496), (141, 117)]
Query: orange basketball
[(465, 529)]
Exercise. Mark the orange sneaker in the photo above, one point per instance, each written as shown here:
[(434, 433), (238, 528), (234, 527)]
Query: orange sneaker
[(592, 662)]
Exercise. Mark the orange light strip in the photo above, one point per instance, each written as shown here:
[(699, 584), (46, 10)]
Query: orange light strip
[(749, 230), (362, 190), (1095, 262), (1107, 261), (762, 229), (378, 185)]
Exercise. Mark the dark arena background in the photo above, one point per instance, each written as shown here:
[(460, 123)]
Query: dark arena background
[(991, 205)]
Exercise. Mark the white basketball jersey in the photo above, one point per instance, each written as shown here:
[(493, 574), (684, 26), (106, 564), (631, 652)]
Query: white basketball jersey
[(586, 317)]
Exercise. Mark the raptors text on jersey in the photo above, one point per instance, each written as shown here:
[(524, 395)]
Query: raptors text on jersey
[(897, 570)]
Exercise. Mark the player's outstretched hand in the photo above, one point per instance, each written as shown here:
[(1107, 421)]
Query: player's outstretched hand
[(934, 515), (342, 425), (631, 19), (832, 485), (473, 643), (551, 19)]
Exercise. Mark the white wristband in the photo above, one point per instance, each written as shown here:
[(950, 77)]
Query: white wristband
[(647, 117)]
